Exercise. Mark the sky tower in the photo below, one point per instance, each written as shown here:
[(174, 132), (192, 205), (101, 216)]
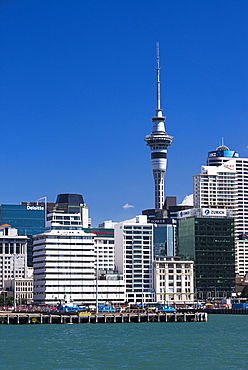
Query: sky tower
[(158, 141)]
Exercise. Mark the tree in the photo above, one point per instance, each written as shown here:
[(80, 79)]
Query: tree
[(6, 301)]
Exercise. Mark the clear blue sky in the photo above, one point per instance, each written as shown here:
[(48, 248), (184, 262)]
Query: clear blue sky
[(78, 91)]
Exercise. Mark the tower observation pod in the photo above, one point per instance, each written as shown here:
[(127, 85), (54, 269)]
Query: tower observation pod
[(158, 141)]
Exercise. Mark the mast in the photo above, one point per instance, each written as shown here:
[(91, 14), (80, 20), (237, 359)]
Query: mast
[(158, 141), (158, 76)]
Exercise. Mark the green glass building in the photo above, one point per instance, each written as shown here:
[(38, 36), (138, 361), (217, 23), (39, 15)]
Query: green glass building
[(209, 242)]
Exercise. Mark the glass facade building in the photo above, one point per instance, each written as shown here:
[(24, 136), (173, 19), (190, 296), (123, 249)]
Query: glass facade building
[(209, 242), (29, 220), (164, 239), (159, 240), (69, 203)]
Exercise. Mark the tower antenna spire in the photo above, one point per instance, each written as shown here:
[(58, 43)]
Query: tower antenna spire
[(158, 76), (158, 141)]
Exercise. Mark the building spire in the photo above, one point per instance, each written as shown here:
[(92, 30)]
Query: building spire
[(158, 76)]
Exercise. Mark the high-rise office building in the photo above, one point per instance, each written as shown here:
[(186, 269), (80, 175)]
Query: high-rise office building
[(206, 236), (223, 183), (64, 267), (134, 258), (27, 219), (164, 232), (158, 141), (72, 264)]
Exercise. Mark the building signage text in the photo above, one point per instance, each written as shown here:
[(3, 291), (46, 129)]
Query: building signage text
[(35, 208)]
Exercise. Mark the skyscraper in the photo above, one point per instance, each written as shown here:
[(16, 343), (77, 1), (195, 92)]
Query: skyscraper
[(64, 267), (158, 141), (67, 258), (206, 236), (134, 258), (223, 183)]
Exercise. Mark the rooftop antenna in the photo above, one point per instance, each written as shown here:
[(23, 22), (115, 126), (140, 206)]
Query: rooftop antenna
[(222, 141), (158, 75)]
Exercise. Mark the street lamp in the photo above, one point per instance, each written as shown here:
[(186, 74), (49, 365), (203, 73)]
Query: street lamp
[(14, 272), (96, 280)]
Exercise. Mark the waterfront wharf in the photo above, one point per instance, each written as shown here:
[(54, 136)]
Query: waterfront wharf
[(24, 318), (227, 311)]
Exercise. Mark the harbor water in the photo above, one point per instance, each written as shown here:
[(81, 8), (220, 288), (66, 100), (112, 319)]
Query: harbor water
[(220, 343)]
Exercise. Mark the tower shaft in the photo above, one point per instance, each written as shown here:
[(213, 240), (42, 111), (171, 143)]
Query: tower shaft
[(158, 141)]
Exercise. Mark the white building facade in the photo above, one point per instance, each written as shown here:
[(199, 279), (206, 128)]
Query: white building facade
[(173, 280), (64, 221), (13, 255), (134, 258), (22, 288), (110, 287), (68, 259), (64, 267)]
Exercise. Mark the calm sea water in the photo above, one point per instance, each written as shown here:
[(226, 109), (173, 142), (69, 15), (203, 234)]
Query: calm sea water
[(221, 343)]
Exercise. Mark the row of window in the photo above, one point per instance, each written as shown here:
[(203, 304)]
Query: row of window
[(63, 237), (174, 265)]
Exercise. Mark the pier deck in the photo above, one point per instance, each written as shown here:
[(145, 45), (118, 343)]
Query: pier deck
[(24, 318)]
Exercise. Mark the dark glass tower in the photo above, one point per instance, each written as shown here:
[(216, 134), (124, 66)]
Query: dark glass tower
[(69, 203), (209, 242)]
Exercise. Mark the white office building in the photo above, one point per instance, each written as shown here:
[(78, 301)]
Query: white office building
[(173, 280), (104, 253), (223, 183), (104, 248), (134, 258), (13, 255), (64, 268), (110, 287), (67, 260), (59, 220), (22, 288)]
